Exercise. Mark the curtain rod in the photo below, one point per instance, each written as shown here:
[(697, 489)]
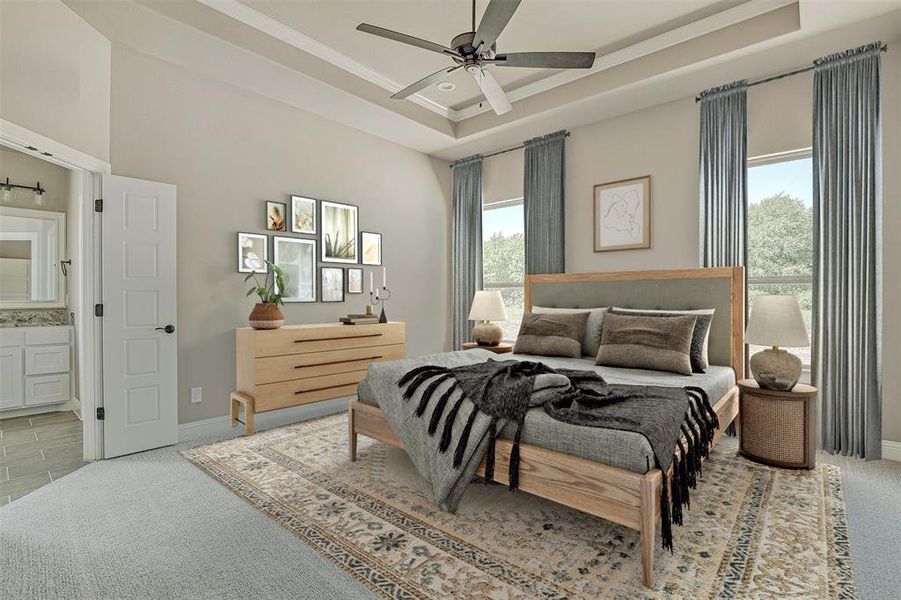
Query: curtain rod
[(505, 150), (786, 74)]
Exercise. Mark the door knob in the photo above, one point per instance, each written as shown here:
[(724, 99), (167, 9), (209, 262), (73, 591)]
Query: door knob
[(167, 328)]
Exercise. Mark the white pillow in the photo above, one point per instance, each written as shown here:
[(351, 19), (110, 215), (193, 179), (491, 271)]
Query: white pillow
[(591, 339)]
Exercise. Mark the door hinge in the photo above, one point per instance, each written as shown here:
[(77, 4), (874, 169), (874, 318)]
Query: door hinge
[(101, 414), (98, 310), (98, 205)]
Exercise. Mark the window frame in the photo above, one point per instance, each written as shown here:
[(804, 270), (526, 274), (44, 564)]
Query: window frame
[(771, 159), (496, 205)]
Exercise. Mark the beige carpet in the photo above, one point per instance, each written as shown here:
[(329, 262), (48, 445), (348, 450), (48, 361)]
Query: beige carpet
[(752, 531)]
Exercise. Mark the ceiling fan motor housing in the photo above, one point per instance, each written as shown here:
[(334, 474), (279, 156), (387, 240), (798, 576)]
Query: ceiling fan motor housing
[(463, 43)]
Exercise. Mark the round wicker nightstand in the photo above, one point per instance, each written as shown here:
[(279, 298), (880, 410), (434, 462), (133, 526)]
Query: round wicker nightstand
[(778, 428)]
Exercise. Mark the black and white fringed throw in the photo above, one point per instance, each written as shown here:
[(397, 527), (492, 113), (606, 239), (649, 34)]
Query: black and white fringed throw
[(500, 389), (679, 423)]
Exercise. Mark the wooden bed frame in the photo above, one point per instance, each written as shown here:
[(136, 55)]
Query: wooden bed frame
[(623, 497)]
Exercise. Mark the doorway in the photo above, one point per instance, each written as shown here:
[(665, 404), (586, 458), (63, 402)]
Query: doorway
[(42, 427)]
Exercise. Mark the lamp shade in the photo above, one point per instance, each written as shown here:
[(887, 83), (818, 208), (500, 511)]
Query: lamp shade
[(488, 306), (776, 321)]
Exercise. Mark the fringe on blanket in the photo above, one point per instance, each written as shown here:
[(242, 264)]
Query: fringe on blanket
[(416, 378), (698, 429)]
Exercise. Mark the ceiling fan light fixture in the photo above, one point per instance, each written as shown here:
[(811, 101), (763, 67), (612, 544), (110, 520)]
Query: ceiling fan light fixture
[(446, 86)]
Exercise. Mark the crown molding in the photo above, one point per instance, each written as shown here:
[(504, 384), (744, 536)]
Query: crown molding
[(266, 24)]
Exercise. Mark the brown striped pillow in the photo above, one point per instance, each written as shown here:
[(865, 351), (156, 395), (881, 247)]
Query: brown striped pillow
[(657, 343), (551, 334)]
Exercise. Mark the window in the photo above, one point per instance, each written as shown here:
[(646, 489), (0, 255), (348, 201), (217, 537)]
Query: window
[(504, 257), (780, 232)]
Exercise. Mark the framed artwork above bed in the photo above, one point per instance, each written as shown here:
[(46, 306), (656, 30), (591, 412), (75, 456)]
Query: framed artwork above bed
[(622, 214)]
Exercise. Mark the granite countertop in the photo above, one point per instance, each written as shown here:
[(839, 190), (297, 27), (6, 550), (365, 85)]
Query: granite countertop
[(35, 318)]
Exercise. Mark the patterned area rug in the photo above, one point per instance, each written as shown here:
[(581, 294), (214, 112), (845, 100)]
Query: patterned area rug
[(752, 531)]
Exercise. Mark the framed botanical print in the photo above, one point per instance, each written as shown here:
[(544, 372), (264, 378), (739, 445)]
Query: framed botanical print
[(303, 215), (332, 284), (276, 216), (296, 257), (622, 214), (354, 280), (371, 244), (339, 232), (253, 252)]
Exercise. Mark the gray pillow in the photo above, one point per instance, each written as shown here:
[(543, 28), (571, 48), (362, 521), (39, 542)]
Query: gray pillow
[(658, 343), (591, 340), (551, 335), (700, 338)]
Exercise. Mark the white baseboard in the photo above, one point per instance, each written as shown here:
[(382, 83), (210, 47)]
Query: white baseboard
[(891, 450), (221, 426), (38, 410)]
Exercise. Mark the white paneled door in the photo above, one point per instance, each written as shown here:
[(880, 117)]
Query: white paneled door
[(140, 356)]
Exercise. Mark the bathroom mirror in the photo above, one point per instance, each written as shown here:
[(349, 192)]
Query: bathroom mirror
[(32, 246)]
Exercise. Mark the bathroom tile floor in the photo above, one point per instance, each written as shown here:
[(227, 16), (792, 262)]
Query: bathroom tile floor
[(36, 450)]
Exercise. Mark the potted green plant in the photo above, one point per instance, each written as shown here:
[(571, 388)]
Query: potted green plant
[(266, 313)]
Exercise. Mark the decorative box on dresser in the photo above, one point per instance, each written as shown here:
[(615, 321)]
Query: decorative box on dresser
[(300, 364), (778, 427)]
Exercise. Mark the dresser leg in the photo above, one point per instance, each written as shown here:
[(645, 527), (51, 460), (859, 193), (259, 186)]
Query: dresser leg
[(237, 399), (352, 445)]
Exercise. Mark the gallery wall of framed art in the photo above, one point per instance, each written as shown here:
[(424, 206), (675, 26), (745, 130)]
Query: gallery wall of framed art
[(310, 234)]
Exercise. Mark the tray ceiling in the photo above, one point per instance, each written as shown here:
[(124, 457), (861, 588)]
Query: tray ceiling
[(537, 25)]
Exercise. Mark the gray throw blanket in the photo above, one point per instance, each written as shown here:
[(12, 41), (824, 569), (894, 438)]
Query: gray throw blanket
[(448, 416)]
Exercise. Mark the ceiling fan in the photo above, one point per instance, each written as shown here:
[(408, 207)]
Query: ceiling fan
[(475, 50)]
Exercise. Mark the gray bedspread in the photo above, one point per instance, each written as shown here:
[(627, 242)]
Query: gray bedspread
[(621, 449)]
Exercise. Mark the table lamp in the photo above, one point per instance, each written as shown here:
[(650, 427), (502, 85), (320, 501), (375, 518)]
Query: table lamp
[(487, 306), (776, 321)]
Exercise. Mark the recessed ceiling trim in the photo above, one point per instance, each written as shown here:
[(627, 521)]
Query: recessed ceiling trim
[(263, 23), (668, 39), (266, 24)]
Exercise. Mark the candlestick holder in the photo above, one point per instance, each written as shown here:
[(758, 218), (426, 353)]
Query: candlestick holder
[(375, 300)]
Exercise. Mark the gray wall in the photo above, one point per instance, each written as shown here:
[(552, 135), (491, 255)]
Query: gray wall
[(56, 74), (663, 142), (229, 151)]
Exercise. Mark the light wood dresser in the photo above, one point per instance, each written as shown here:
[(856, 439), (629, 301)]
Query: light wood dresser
[(300, 364)]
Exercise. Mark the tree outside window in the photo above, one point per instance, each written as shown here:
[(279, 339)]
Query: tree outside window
[(503, 259), (780, 233)]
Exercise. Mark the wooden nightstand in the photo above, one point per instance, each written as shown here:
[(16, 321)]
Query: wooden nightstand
[(778, 428), (502, 348)]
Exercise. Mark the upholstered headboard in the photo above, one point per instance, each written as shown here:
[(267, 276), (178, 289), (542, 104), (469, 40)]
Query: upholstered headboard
[(681, 289)]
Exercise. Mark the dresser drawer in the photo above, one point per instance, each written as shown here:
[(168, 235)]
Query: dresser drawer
[(46, 359), (46, 389), (300, 340), (313, 364), (12, 337), (46, 335), (303, 391)]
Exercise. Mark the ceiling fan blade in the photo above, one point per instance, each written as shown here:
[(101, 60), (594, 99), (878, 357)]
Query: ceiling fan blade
[(495, 18), (424, 83), (546, 60), (493, 92), (403, 38)]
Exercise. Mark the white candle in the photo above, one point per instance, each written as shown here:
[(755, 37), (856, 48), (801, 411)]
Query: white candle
[(384, 277), (370, 282)]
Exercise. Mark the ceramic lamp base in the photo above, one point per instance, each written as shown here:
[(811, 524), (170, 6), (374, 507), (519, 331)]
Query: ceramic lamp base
[(487, 333), (776, 369)]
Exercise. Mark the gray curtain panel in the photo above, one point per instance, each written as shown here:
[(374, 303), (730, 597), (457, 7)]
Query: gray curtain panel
[(467, 243), (847, 220), (724, 175), (543, 198)]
